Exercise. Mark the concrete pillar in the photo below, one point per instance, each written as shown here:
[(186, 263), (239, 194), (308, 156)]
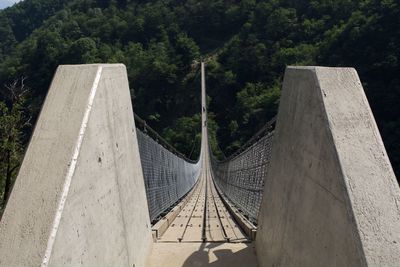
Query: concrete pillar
[(331, 197), (79, 199)]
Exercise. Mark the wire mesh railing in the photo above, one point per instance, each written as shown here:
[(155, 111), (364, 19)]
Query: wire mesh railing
[(167, 174), (241, 177)]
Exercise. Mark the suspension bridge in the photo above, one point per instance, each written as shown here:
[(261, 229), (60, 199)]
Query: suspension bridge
[(314, 187)]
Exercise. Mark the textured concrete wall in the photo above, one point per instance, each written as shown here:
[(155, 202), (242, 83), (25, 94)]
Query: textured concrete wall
[(79, 199), (331, 197)]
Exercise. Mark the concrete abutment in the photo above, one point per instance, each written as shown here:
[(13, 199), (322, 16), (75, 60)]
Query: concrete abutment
[(79, 199), (330, 197)]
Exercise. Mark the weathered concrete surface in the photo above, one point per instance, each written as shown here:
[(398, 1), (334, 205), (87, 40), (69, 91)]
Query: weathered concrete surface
[(79, 199), (331, 198)]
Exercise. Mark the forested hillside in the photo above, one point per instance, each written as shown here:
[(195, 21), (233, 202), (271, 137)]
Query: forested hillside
[(247, 45)]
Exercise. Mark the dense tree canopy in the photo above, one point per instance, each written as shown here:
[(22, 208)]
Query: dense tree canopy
[(247, 45)]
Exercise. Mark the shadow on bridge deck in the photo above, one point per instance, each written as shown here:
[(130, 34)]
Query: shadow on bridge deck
[(203, 254)]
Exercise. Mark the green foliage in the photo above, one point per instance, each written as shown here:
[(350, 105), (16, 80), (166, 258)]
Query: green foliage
[(82, 50), (212, 136), (247, 45), (185, 128), (14, 120), (255, 103)]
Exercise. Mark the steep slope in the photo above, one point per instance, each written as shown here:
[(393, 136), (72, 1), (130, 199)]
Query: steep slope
[(248, 44)]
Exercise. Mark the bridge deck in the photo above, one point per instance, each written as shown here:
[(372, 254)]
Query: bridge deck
[(204, 218), (203, 233), (192, 241)]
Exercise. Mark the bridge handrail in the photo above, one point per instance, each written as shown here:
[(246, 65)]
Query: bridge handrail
[(142, 125), (246, 169), (266, 129)]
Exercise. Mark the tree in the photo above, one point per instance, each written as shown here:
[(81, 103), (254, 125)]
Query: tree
[(82, 50), (7, 38), (14, 119)]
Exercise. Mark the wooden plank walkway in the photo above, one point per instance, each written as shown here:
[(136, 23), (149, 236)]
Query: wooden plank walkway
[(203, 233)]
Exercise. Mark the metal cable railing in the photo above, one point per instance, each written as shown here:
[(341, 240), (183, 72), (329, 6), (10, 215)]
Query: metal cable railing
[(168, 175), (145, 128), (241, 177)]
